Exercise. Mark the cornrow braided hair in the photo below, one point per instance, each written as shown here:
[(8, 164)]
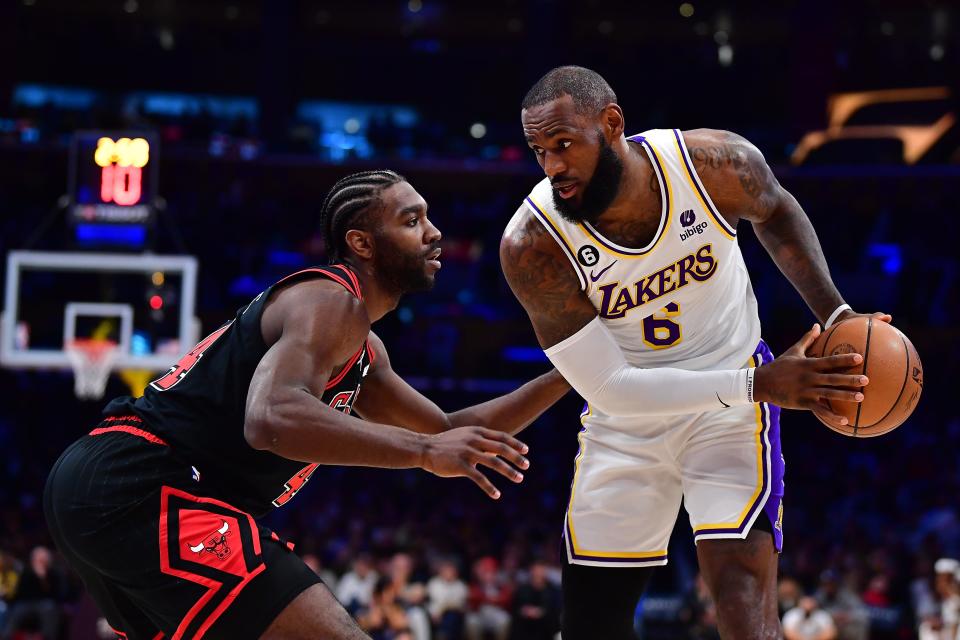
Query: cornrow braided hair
[(349, 203)]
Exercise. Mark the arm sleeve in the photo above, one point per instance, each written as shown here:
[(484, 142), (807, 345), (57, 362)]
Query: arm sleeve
[(594, 365)]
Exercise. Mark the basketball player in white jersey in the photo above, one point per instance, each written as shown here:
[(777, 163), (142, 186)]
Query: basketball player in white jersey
[(626, 259)]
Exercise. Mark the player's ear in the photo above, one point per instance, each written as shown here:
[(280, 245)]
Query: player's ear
[(360, 242), (613, 123)]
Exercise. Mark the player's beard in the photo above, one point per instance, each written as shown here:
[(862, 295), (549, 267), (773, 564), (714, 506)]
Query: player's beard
[(401, 272), (600, 192)]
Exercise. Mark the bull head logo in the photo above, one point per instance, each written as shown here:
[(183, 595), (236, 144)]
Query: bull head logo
[(215, 542)]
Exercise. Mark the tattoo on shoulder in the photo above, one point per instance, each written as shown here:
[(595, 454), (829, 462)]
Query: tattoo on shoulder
[(755, 177), (544, 282)]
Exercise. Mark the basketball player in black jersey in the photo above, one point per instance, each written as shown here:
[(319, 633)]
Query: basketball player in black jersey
[(155, 508)]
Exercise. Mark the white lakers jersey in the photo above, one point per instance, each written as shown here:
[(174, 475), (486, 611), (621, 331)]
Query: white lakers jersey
[(685, 300)]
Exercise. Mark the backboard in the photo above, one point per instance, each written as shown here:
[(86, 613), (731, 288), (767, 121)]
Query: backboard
[(143, 302)]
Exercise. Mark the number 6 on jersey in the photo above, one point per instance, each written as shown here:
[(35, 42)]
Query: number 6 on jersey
[(659, 331)]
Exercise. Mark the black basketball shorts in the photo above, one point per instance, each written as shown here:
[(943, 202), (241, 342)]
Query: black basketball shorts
[(163, 558)]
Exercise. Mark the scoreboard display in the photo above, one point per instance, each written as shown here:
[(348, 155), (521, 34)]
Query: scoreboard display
[(113, 186)]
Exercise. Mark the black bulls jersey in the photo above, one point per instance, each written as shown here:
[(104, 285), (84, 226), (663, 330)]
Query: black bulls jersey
[(198, 407)]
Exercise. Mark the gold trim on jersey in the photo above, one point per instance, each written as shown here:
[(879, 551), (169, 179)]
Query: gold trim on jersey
[(666, 215), (761, 428), (654, 556), (565, 244)]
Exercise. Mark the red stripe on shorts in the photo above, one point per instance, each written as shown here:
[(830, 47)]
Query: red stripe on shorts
[(126, 428)]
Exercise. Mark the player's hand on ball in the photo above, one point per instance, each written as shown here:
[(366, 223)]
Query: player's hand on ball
[(796, 381), (828, 417), (458, 452), (877, 315)]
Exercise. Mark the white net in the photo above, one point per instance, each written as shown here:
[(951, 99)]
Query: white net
[(92, 361)]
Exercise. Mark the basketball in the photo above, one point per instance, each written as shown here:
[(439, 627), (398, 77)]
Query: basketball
[(891, 363)]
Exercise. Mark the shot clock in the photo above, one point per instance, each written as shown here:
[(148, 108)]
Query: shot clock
[(113, 187)]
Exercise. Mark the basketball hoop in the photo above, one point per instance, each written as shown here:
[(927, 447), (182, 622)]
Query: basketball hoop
[(91, 360)]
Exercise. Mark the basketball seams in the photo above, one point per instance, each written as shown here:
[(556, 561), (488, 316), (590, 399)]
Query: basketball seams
[(866, 356), (826, 339), (887, 374), (903, 387), (823, 350)]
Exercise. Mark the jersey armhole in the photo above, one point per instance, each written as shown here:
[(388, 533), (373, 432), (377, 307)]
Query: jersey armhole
[(698, 188), (340, 274), (556, 234)]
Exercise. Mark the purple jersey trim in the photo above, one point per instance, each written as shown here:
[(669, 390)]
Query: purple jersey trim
[(772, 474)]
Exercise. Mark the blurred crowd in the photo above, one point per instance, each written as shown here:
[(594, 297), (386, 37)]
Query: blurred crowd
[(403, 596)]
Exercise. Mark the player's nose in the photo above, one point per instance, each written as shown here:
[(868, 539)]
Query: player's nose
[(553, 165), (431, 233)]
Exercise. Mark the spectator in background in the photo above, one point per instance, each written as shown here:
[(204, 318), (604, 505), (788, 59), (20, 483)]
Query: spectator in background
[(789, 593), (945, 583), (807, 621), (926, 609), (384, 619), (35, 605), (536, 607), (448, 601), (699, 612), (316, 565), (956, 596), (942, 623), (844, 606), (410, 595), (877, 593), (355, 589), (9, 577), (490, 597)]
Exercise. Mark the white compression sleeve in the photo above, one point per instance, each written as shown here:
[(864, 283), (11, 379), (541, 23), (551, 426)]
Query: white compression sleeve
[(594, 365)]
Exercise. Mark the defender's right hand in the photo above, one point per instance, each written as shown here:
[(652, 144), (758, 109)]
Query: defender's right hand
[(795, 381), (458, 452)]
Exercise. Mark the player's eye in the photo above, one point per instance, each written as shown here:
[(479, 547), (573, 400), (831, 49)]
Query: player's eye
[(565, 144), (412, 222), (539, 151)]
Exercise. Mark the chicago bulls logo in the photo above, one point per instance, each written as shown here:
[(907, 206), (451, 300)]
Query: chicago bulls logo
[(214, 546), (214, 542)]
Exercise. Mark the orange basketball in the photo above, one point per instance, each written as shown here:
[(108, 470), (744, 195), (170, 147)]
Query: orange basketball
[(890, 362)]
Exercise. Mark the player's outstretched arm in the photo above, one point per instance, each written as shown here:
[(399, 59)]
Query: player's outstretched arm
[(586, 354), (313, 328), (742, 185), (387, 398)]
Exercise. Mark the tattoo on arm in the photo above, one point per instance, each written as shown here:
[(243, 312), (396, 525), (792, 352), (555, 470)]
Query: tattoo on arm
[(720, 156), (779, 222), (543, 281)]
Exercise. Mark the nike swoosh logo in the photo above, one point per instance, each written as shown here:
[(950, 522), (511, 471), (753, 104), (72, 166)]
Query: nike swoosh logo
[(721, 401), (594, 278)]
